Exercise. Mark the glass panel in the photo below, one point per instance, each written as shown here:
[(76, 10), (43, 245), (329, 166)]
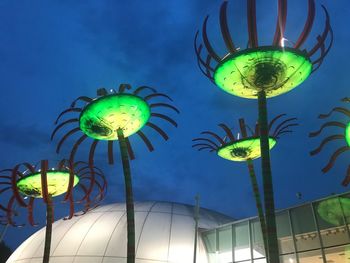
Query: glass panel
[(304, 228), (209, 239), (330, 219), (288, 259), (338, 254), (311, 257), (285, 240), (241, 242), (262, 260), (257, 239), (225, 244)]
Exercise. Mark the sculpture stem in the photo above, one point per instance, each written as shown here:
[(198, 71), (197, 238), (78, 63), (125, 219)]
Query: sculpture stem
[(272, 248), (129, 198), (258, 203), (48, 232)]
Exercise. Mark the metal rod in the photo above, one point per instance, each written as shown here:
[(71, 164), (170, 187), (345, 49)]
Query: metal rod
[(272, 248), (258, 203), (130, 214), (48, 233)]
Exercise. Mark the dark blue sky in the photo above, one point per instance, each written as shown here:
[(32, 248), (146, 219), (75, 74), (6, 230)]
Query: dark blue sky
[(54, 51)]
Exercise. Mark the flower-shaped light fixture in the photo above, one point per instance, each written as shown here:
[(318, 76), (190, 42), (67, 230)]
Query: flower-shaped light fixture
[(25, 183), (115, 116), (263, 71), (344, 136), (245, 148), (275, 68)]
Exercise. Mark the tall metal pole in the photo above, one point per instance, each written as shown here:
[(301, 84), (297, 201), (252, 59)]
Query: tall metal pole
[(272, 248), (48, 228), (196, 218), (129, 198)]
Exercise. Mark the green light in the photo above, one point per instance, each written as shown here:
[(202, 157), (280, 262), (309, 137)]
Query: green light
[(331, 211), (244, 149), (274, 70), (347, 134), (57, 183), (104, 116)]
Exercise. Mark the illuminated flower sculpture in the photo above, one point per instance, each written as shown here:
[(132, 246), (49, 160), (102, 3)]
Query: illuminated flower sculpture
[(26, 182), (246, 148), (263, 71), (116, 116), (345, 136), (334, 210)]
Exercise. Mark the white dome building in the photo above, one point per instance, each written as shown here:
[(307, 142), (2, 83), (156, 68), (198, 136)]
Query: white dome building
[(164, 233)]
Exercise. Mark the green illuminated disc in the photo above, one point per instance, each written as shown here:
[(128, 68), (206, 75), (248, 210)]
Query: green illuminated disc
[(274, 70), (244, 149), (347, 134), (57, 183), (103, 117), (331, 211)]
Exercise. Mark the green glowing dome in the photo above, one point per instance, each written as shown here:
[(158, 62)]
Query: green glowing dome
[(347, 134), (331, 211), (57, 183), (104, 116), (244, 149), (272, 69)]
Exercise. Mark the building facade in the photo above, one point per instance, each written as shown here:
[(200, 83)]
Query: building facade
[(316, 232)]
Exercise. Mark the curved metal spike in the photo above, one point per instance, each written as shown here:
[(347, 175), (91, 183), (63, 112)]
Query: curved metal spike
[(225, 32), (334, 157), (139, 89), (324, 35), (157, 95), (159, 130), (203, 148), (323, 51), (75, 147), (145, 140), (272, 122), (202, 144), (281, 131), (110, 152), (228, 131), (82, 98), (164, 117), (92, 152), (71, 132), (207, 44), (308, 24), (346, 180), (61, 125), (154, 105), (123, 87), (325, 141), (215, 136), (200, 61), (66, 111), (327, 124), (279, 126), (207, 140), (71, 181), (281, 22), (336, 109), (252, 31), (129, 149)]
